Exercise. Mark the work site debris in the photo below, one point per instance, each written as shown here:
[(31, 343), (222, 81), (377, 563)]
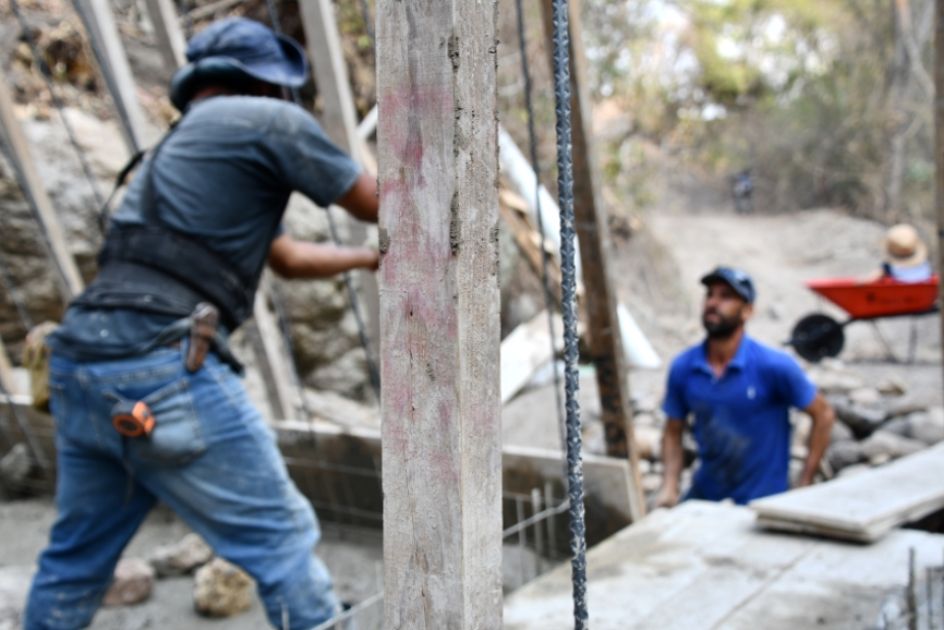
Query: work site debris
[(222, 589), (181, 557), (133, 583), (15, 468), (874, 424)]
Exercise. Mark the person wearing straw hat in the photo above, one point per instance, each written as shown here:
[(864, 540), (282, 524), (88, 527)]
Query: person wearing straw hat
[(906, 256), (192, 235)]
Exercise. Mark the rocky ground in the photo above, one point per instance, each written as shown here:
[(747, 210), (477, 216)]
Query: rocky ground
[(887, 408)]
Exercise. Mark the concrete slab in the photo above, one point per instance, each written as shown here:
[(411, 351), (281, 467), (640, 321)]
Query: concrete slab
[(706, 565)]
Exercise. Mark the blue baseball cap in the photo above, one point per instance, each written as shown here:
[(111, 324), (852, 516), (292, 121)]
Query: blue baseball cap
[(734, 278), (235, 49)]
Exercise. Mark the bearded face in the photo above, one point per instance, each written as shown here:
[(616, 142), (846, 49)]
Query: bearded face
[(724, 311)]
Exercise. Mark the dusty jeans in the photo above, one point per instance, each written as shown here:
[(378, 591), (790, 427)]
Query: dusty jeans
[(210, 458)]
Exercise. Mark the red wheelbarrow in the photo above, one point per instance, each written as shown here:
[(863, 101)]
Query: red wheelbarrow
[(817, 336)]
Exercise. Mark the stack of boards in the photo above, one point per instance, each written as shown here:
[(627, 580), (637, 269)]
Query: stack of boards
[(863, 507)]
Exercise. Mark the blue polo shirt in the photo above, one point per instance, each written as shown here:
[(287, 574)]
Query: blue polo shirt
[(740, 420)]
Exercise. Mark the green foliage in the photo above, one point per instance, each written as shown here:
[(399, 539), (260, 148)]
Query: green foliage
[(809, 93)]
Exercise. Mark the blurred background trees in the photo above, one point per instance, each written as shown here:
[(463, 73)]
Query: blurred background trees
[(829, 103)]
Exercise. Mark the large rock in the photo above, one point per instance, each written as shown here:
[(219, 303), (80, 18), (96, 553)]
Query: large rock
[(883, 446), (835, 380), (862, 419), (15, 468), (222, 589), (844, 454), (133, 583), (181, 557), (648, 442), (928, 427), (865, 396), (903, 406), (840, 433)]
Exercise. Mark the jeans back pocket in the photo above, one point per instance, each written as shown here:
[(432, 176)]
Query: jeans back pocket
[(177, 437)]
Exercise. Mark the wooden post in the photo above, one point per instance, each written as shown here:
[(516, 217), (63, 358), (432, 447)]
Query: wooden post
[(100, 25), (939, 145), (275, 360), (340, 123), (35, 193), (6, 372), (606, 346), (170, 39), (439, 305)]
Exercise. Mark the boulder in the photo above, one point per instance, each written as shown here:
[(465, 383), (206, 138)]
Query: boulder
[(899, 426), (867, 396), (883, 446), (181, 557), (133, 583), (840, 433), (903, 406), (222, 589), (648, 441), (834, 380), (892, 387), (862, 419), (928, 427), (15, 468), (844, 454)]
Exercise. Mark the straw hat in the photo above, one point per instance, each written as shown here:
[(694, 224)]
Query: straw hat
[(903, 246)]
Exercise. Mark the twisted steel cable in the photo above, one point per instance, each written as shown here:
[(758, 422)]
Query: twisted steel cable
[(565, 188)]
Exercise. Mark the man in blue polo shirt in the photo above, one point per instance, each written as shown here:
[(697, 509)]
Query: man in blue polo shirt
[(738, 393)]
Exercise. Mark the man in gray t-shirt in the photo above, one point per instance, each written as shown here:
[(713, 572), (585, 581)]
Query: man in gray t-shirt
[(197, 225)]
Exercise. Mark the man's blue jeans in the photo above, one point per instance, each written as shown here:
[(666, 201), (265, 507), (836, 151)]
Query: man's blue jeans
[(210, 458)]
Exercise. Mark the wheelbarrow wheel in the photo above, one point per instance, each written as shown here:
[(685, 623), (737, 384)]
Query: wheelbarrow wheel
[(817, 336)]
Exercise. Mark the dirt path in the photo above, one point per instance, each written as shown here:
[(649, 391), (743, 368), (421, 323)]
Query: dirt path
[(783, 251)]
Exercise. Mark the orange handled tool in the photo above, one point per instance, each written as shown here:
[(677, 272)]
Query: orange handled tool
[(132, 418)]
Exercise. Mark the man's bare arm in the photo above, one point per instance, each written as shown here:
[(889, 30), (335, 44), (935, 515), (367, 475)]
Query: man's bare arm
[(291, 258), (672, 461), (361, 199), (823, 417)]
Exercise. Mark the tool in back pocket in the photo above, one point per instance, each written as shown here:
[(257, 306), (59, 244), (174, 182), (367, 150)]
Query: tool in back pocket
[(132, 418), (205, 319)]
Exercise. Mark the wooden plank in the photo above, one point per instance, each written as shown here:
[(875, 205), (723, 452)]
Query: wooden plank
[(167, 31), (437, 138), (862, 507), (528, 240), (524, 350), (274, 358), (103, 35), (35, 193), (704, 565), (939, 148), (339, 118), (606, 346), (7, 382)]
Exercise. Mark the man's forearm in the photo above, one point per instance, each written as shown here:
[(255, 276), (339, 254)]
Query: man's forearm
[(672, 463), (672, 460), (292, 258), (823, 417)]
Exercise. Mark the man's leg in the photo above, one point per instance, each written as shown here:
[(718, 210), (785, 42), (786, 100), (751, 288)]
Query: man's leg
[(238, 496), (99, 512)]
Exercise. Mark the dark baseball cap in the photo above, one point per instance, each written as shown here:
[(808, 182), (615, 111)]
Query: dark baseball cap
[(235, 47), (734, 278)]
